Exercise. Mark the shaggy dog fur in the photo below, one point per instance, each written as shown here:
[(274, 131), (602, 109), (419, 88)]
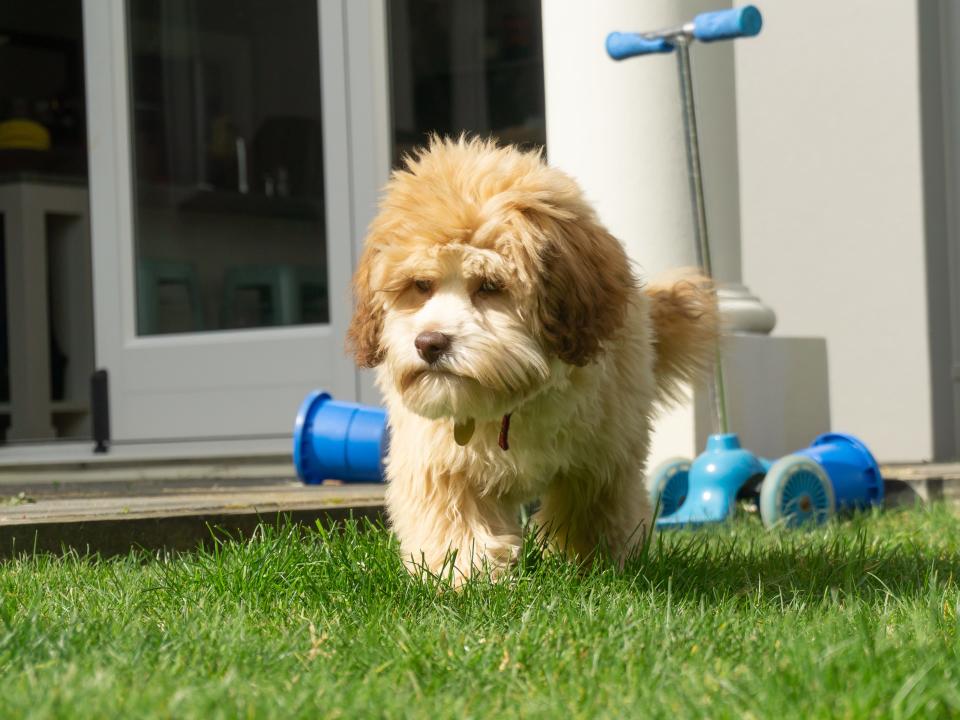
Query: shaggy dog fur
[(518, 356)]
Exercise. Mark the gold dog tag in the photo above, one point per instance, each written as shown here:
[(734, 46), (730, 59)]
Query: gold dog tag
[(462, 432)]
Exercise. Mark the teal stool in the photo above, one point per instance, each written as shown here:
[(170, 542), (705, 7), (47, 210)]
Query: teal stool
[(288, 295), (152, 275)]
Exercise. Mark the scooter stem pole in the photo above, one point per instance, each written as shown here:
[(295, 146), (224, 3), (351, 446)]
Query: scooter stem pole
[(682, 44)]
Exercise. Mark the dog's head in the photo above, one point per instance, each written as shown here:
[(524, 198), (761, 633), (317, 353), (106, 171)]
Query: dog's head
[(484, 271)]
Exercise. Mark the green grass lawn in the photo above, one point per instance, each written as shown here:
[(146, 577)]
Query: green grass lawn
[(858, 619)]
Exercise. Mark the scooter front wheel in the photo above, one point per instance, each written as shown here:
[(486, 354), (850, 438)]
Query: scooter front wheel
[(796, 491)]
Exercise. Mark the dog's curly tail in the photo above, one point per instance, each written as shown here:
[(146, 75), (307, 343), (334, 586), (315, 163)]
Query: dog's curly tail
[(686, 328)]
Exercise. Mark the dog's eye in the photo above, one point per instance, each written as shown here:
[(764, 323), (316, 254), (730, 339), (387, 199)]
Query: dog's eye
[(489, 287), (423, 286)]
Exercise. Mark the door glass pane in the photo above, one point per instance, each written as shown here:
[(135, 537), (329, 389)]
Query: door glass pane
[(466, 65), (46, 300), (228, 164)]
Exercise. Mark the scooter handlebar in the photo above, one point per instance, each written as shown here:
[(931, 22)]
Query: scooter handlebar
[(738, 22), (621, 46)]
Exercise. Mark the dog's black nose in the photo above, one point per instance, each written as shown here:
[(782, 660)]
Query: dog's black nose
[(431, 345)]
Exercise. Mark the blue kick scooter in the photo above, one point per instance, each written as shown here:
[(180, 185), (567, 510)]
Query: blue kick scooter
[(837, 471)]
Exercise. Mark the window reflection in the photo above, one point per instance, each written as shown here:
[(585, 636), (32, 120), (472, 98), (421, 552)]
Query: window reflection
[(228, 163), (466, 65)]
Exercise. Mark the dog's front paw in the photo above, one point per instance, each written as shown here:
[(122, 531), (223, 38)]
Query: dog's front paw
[(467, 560)]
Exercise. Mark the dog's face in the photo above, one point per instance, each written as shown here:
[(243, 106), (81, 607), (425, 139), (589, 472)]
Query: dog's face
[(484, 272), (457, 339)]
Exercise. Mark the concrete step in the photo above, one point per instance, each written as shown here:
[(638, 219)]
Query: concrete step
[(926, 482), (109, 516)]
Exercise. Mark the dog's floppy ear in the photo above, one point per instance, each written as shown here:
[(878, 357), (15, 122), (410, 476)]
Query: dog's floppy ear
[(585, 286), (366, 326)]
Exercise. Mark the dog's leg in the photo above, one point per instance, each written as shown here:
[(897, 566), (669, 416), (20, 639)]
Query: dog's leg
[(580, 514), (444, 524)]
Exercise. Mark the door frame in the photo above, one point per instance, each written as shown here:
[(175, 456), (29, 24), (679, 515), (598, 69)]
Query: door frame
[(368, 80), (353, 57), (939, 96)]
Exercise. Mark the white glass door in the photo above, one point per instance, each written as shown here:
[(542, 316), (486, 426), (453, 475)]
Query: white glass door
[(223, 211)]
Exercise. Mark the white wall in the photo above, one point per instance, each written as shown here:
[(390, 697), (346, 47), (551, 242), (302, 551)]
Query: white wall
[(831, 197)]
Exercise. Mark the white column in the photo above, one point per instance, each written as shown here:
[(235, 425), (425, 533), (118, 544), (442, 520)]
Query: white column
[(617, 127)]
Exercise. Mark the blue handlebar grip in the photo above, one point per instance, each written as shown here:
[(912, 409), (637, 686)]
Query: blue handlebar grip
[(744, 21), (621, 46)]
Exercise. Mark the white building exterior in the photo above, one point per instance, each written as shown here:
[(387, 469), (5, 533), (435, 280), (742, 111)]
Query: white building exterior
[(830, 147), (819, 195), (843, 216)]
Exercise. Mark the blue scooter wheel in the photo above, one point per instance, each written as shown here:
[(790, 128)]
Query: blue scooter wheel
[(669, 485), (796, 491)]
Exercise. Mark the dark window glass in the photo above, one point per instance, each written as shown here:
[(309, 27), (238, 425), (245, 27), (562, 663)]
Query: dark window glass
[(228, 164), (466, 65), (44, 243), (42, 116)]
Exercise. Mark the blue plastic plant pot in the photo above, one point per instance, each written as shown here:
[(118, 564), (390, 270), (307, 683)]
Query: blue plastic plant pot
[(339, 441), (852, 470)]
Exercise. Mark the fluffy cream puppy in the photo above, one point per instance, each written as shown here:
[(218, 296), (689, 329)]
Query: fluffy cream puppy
[(518, 356)]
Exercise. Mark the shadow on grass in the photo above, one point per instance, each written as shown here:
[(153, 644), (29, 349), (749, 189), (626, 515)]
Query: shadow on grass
[(843, 559), (869, 556), (357, 563)]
